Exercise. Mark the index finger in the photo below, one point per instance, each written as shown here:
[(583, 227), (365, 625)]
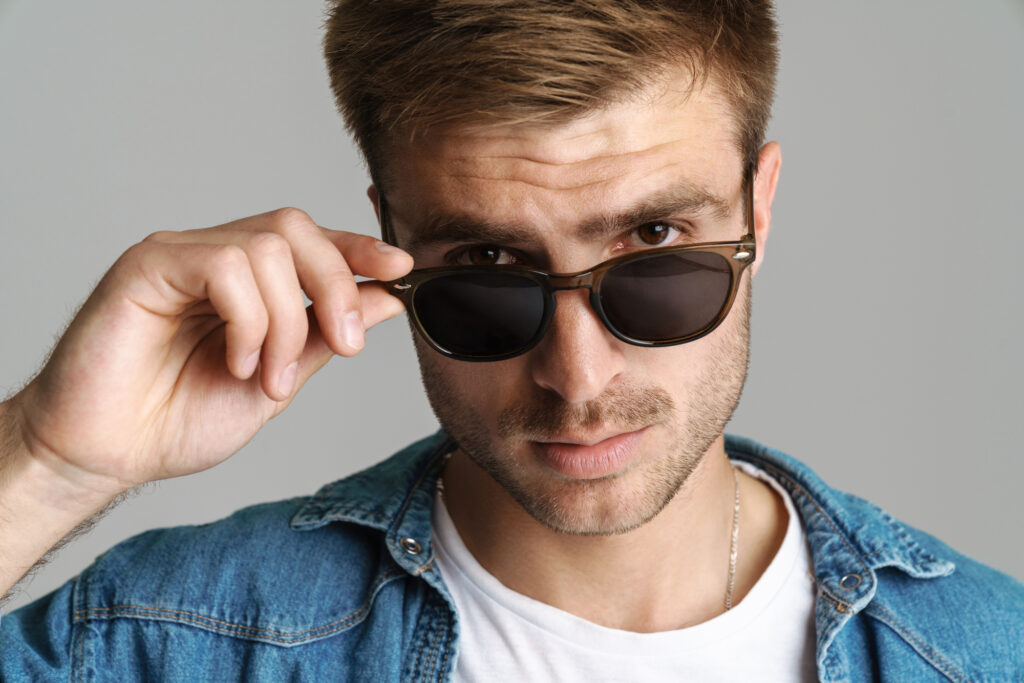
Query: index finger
[(369, 256)]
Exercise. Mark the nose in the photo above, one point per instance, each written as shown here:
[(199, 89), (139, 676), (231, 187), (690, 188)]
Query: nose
[(578, 357)]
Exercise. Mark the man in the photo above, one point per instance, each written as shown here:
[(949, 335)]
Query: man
[(582, 515)]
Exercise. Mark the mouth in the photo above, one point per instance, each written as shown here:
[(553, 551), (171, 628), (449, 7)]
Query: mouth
[(585, 457)]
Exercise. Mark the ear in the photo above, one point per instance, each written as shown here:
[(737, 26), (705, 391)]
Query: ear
[(374, 196), (769, 162)]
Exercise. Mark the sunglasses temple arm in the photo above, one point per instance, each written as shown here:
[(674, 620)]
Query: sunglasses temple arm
[(400, 287), (750, 210), (386, 233)]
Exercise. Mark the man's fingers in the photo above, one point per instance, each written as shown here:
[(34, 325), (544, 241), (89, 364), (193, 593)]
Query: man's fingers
[(327, 266), (328, 280), (289, 253), (369, 257), (175, 275), (271, 260)]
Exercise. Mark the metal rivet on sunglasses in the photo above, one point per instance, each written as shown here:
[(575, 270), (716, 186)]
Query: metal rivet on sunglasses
[(740, 255), (401, 288)]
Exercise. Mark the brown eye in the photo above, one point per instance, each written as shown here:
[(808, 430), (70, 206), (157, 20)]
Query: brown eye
[(653, 233), (483, 255)]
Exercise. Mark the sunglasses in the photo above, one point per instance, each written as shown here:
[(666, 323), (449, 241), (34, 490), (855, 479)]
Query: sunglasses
[(656, 297)]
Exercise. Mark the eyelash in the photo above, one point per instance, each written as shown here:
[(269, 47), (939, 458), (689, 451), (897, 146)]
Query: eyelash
[(457, 256)]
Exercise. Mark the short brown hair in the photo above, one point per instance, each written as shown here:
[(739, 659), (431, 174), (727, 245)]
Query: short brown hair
[(407, 65)]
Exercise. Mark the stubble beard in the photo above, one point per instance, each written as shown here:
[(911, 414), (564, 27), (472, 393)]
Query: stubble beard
[(592, 507)]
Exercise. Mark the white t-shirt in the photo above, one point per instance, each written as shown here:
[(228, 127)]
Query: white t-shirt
[(506, 636)]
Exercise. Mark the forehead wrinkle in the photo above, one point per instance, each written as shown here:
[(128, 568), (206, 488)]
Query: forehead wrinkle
[(540, 185), (535, 158)]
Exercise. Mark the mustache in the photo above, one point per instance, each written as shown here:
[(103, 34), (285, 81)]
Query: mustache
[(628, 408)]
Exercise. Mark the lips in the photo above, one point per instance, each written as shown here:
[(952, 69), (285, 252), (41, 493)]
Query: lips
[(582, 458)]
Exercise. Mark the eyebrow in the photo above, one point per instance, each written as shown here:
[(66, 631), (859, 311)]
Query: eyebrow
[(449, 228)]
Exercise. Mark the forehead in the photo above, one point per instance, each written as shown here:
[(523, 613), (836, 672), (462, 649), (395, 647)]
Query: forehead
[(548, 175)]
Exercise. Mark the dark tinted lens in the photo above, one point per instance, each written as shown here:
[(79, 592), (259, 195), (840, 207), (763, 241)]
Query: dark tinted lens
[(480, 314), (667, 296)]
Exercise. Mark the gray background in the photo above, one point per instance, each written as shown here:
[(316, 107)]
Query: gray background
[(887, 316)]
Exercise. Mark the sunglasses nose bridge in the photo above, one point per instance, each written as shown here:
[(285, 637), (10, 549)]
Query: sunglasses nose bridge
[(574, 281)]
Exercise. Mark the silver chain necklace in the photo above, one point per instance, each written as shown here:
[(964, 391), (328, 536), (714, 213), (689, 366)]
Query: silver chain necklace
[(733, 545)]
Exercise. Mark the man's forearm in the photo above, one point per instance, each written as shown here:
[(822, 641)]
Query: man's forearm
[(38, 510)]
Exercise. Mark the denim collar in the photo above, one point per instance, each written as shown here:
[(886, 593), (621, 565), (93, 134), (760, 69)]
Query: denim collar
[(395, 496), (850, 538)]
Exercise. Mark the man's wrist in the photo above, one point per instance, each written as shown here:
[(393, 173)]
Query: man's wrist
[(40, 490), (38, 506), (32, 467)]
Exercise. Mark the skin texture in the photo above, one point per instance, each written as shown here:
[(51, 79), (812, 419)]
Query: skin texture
[(661, 517)]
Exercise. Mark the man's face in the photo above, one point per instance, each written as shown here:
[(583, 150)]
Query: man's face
[(589, 434)]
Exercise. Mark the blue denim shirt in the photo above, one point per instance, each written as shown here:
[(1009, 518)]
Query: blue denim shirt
[(343, 585)]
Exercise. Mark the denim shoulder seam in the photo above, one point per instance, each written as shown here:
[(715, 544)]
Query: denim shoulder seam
[(268, 635), (923, 649), (78, 634)]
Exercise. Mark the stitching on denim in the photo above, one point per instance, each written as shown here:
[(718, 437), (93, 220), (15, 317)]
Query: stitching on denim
[(340, 514), (794, 485), (423, 642), (79, 631), (417, 668), (80, 648), (447, 645), (937, 660), (842, 606), (408, 499), (239, 629), (320, 502), (435, 659), (439, 621), (425, 568), (432, 642), (353, 513), (832, 662)]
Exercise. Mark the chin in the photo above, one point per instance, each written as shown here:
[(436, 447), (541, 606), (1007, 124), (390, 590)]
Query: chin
[(605, 506)]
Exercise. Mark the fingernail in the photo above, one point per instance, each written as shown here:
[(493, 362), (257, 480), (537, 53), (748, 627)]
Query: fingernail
[(249, 366), (352, 331), (386, 248), (287, 383)]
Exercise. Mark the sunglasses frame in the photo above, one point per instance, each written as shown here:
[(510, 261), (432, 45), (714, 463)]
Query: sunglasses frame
[(738, 254)]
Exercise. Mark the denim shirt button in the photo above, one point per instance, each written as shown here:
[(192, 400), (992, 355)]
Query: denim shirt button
[(411, 545), (849, 582)]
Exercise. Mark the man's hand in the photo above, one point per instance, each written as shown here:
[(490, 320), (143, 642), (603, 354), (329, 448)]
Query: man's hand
[(189, 345)]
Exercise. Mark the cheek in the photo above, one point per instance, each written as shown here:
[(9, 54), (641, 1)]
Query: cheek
[(716, 362), (462, 392)]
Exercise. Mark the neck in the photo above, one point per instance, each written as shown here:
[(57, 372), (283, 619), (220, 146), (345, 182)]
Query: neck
[(667, 574)]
